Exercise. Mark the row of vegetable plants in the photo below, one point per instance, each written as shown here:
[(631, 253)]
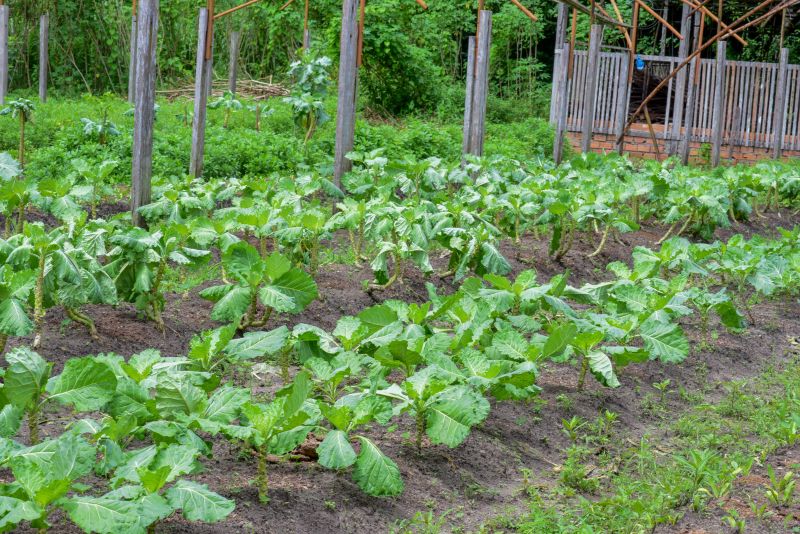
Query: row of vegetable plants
[(150, 420)]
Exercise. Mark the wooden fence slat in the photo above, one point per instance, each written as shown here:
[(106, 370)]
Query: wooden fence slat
[(563, 102), (780, 105), (590, 91), (719, 104), (132, 63)]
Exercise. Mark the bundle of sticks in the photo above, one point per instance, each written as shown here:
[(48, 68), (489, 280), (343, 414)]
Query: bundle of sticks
[(254, 89)]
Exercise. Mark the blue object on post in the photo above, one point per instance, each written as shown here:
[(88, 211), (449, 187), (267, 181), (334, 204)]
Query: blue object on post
[(639, 63)]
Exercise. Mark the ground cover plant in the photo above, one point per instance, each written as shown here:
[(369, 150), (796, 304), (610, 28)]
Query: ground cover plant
[(499, 345)]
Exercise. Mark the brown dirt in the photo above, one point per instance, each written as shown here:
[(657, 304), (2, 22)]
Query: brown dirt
[(483, 477)]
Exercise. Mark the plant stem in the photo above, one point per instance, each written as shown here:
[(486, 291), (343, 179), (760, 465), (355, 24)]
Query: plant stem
[(602, 242), (33, 424), (3, 340), (285, 360), (82, 318), (582, 377), (38, 303), (262, 480), (21, 139), (420, 429)]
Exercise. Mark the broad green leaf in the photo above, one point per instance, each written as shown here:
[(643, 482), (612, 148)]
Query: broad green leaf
[(15, 511), (14, 321), (602, 369), (375, 473), (292, 292), (179, 397), (258, 344), (10, 420), (664, 341), (101, 514), (198, 503), (558, 339), (452, 414), (87, 384), (335, 451), (25, 376)]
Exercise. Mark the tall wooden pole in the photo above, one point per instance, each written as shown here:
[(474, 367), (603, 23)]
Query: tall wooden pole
[(561, 37), (779, 119), (144, 110), (680, 82), (44, 40), (468, 98), (306, 31), (590, 89), (480, 87), (717, 128), (3, 53), (233, 61), (623, 102), (201, 83), (346, 105), (562, 101), (694, 89), (132, 62)]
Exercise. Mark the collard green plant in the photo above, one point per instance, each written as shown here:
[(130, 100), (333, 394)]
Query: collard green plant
[(272, 283), (22, 110)]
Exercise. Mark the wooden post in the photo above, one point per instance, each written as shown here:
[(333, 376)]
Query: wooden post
[(44, 34), (561, 25), (306, 31), (468, 98), (144, 110), (694, 83), (680, 82), (201, 92), (590, 89), (480, 84), (562, 103), (781, 85), (718, 126), (3, 53), (663, 47), (132, 63), (346, 105), (233, 62), (623, 101)]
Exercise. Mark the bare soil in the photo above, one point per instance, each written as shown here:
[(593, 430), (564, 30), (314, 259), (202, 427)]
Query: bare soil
[(484, 477)]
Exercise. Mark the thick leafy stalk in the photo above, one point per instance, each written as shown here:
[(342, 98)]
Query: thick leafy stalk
[(33, 422), (38, 303), (82, 318), (602, 242), (420, 428), (3, 340), (22, 138), (154, 294), (262, 479), (584, 368)]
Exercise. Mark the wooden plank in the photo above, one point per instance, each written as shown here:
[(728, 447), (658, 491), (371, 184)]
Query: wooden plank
[(480, 88), (201, 82), (306, 39), (563, 102), (718, 124), (590, 88), (561, 25), (144, 109), (623, 99), (233, 61), (468, 97), (680, 82), (3, 53), (132, 63), (735, 128), (780, 104), (44, 55), (795, 114), (346, 105)]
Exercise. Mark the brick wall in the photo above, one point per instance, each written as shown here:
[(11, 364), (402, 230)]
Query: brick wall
[(642, 147)]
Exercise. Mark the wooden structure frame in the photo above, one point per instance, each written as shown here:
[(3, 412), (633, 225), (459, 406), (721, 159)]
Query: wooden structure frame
[(716, 82)]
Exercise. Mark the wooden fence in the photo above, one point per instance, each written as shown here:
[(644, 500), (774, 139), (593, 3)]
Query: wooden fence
[(750, 92)]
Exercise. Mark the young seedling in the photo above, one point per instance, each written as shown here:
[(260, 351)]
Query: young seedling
[(21, 109)]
